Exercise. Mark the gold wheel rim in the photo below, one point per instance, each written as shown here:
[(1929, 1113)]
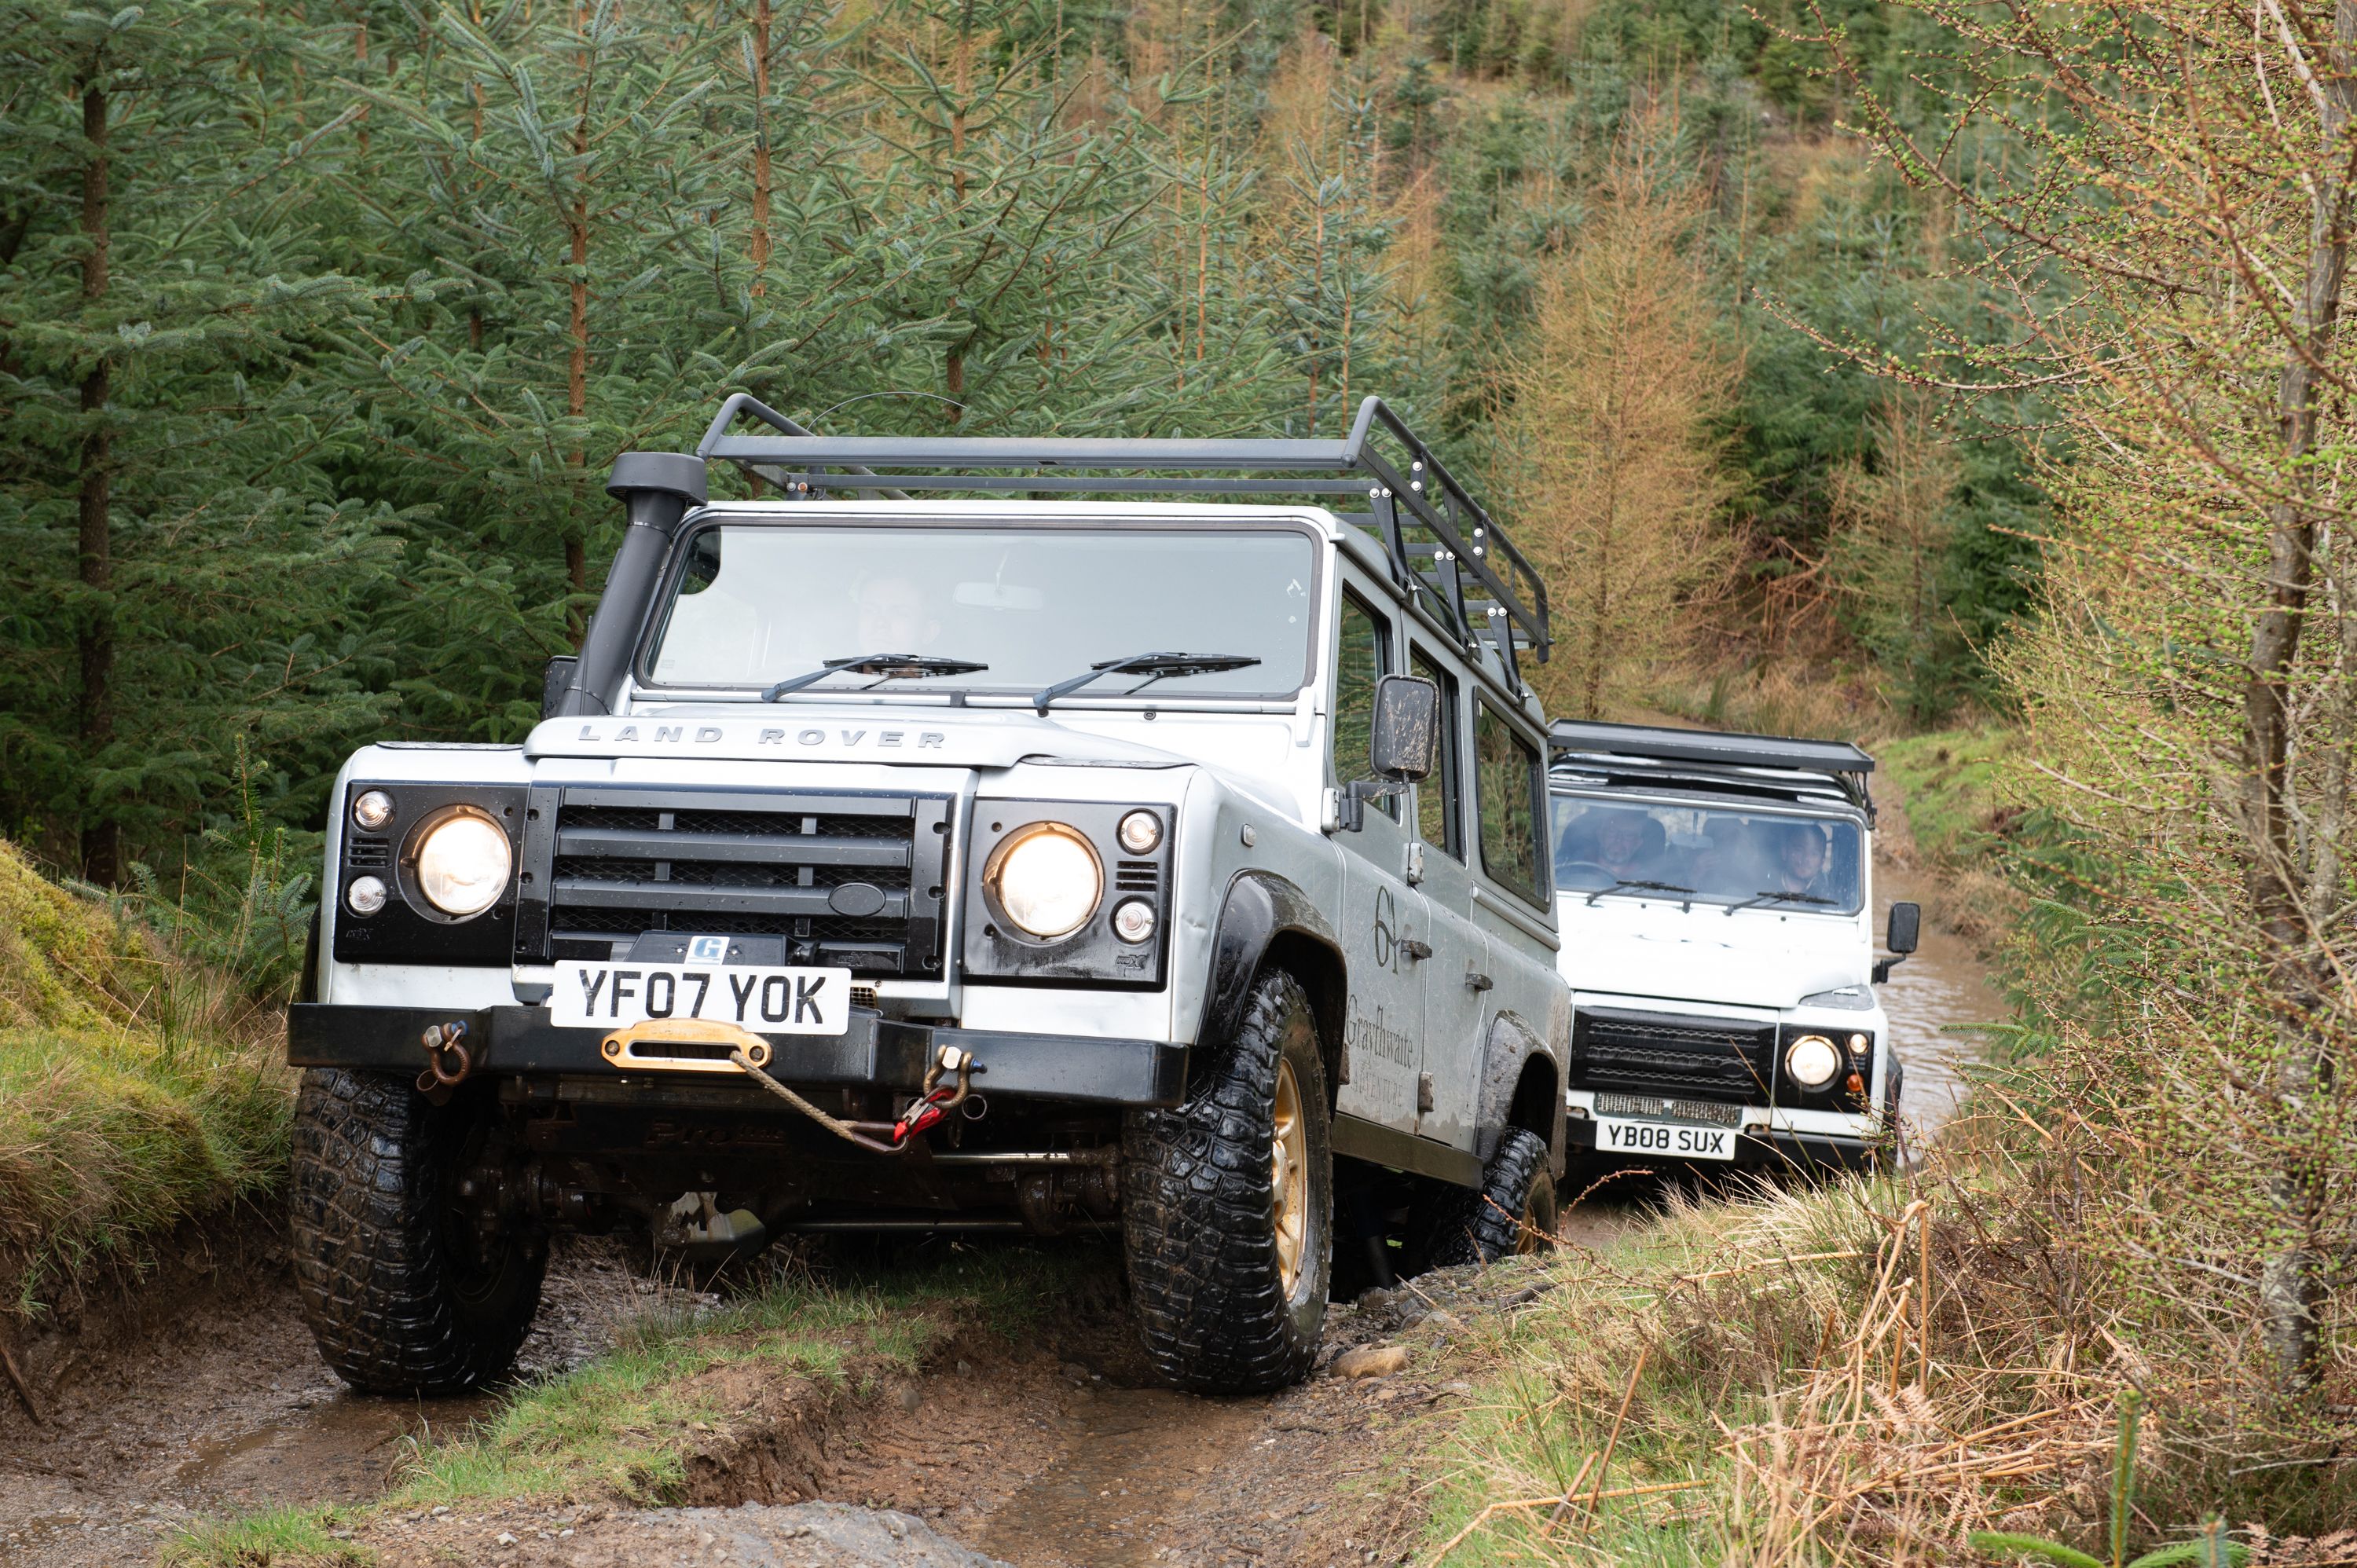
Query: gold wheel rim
[(1288, 1178), (1535, 1233)]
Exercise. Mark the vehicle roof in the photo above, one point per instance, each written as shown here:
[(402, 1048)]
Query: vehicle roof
[(1722, 748), (1711, 762), (1435, 538)]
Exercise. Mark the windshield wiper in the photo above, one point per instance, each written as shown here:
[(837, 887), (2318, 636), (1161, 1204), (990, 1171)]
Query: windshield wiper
[(1778, 898), (883, 666), (1632, 882), (1153, 666)]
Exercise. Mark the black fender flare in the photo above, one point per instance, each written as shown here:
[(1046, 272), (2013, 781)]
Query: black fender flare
[(1513, 1045), (1261, 909)]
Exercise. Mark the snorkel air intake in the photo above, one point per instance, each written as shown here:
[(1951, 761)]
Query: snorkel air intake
[(657, 489)]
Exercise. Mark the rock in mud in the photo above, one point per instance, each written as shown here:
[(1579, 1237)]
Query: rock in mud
[(807, 1535), (1370, 1361)]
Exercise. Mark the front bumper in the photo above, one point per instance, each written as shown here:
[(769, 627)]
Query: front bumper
[(1757, 1151), (514, 1041)]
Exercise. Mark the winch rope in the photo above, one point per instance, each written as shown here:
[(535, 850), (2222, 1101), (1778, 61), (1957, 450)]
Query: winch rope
[(840, 1128)]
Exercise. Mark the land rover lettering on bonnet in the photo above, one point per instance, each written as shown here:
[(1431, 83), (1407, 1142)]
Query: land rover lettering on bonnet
[(1038, 833)]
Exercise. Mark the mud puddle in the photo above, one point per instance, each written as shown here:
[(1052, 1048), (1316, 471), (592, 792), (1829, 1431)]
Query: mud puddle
[(212, 1399), (1937, 1000)]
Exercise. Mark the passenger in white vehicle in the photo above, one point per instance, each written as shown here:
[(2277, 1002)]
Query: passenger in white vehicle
[(1800, 863), (1603, 848)]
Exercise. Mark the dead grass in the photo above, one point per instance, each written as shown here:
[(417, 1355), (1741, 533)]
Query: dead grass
[(1860, 1374)]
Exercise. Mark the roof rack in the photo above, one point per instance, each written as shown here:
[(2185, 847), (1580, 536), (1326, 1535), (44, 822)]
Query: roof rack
[(1716, 752), (1438, 538)]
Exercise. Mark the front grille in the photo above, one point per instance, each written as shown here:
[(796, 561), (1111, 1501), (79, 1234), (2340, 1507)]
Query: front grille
[(368, 854), (1664, 1054), (848, 879), (1136, 877)]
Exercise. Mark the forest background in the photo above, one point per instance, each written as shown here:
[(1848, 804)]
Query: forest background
[(319, 327), (1851, 367)]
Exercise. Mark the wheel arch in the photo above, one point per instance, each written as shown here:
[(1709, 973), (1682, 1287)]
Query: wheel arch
[(1521, 1087), (1267, 920)]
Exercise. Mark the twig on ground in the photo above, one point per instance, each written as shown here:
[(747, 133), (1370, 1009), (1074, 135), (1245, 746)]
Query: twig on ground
[(24, 1389)]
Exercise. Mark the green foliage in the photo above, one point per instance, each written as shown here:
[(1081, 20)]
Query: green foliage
[(385, 293)]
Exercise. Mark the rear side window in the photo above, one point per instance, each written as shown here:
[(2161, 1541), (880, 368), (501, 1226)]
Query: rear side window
[(1363, 658), (1506, 777), (1436, 799)]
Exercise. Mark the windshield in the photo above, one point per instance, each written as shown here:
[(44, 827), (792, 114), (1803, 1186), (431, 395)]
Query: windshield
[(1644, 849), (759, 603)]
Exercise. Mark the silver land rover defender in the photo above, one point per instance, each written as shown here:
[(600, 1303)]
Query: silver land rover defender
[(1030, 856), (1714, 894)]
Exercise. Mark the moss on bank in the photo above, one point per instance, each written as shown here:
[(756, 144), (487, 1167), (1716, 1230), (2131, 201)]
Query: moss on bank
[(136, 1090)]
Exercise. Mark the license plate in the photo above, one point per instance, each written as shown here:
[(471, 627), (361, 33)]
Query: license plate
[(1664, 1140), (767, 1001)]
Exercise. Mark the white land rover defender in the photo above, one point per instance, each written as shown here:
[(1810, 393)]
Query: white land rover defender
[(1017, 863), (1714, 894)]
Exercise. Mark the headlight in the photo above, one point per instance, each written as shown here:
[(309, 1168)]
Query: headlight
[(1813, 1061), (463, 863), (1047, 879)]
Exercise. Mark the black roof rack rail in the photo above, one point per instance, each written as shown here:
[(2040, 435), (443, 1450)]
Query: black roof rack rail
[(1464, 560), (1701, 753)]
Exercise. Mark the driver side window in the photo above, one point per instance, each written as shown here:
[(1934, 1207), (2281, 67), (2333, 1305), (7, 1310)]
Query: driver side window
[(1363, 658)]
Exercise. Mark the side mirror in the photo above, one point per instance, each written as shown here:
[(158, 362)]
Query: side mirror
[(1403, 746), (1406, 743), (555, 680), (1906, 929)]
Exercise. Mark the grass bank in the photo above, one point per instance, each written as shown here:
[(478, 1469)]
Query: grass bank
[(1949, 785), (136, 1090), (1869, 1372), (663, 1418)]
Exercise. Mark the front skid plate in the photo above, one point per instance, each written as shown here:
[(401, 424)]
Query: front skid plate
[(877, 1051)]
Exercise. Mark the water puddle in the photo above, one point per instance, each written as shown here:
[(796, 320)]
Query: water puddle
[(1932, 999)]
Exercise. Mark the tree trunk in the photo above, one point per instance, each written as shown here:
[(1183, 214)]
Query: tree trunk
[(761, 242), (576, 369), (2290, 1289), (100, 840)]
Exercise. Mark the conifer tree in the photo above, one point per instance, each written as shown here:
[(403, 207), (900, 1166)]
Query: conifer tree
[(1027, 216), (547, 164), (1326, 232), (159, 323), (1612, 461)]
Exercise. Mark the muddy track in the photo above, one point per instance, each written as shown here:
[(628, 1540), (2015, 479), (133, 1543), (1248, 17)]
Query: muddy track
[(202, 1394), (199, 1391)]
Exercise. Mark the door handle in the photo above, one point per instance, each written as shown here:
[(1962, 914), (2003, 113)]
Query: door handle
[(1475, 980), (1414, 949)]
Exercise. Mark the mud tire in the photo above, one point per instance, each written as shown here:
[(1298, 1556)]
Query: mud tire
[(1199, 1207), (397, 1299), (1482, 1224)]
